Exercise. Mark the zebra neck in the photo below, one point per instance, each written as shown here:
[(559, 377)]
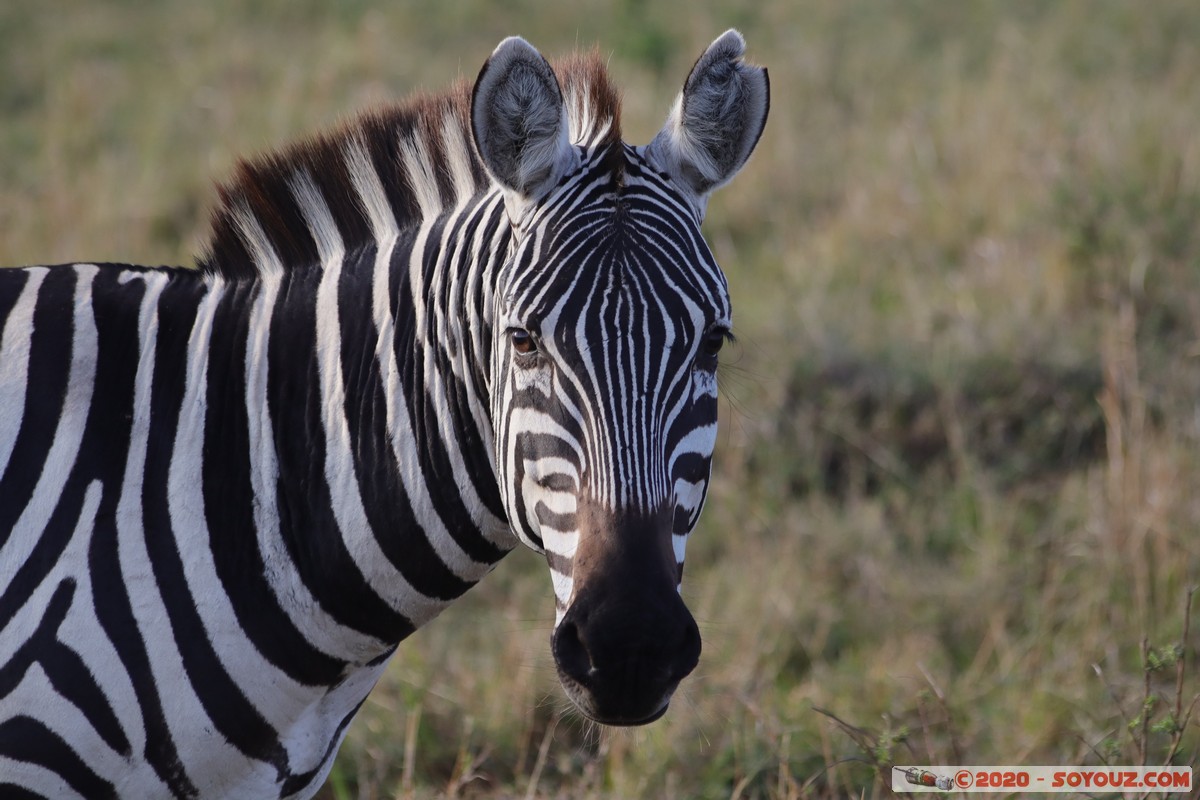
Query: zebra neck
[(369, 441)]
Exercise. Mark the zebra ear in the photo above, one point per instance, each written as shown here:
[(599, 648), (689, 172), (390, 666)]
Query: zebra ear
[(716, 120), (519, 122)]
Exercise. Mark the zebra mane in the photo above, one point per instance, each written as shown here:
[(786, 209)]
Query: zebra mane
[(390, 166)]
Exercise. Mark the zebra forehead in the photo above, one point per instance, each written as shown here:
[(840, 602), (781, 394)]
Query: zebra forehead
[(423, 161), (663, 268)]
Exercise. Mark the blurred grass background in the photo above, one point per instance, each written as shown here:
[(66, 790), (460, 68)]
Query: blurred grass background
[(956, 513)]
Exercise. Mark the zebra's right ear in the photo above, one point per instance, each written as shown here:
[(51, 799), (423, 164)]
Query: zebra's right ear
[(519, 123), (716, 120)]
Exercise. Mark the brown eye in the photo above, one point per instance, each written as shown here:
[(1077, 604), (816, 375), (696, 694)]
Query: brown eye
[(522, 341)]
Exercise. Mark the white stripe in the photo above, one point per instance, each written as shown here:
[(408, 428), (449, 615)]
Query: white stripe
[(82, 625), (561, 503), (450, 329), (38, 699), (81, 629), (347, 504), (561, 543), (185, 499), (321, 630), (371, 195), (338, 702), (538, 378), (14, 363), (564, 586), (555, 502), (400, 428), (414, 154), (688, 495), (608, 477), (198, 742), (596, 444), (704, 385), (321, 225), (700, 440), (33, 607), (277, 698), (679, 545), (65, 449), (35, 696), (525, 418), (48, 783), (258, 244), (623, 414), (458, 158)]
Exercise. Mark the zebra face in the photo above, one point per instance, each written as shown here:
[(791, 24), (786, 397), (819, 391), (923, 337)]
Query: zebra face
[(607, 321), (606, 421)]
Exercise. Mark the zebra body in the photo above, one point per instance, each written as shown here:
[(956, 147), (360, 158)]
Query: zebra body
[(227, 494)]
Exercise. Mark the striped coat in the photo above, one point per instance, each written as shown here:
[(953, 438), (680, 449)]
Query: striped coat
[(468, 321)]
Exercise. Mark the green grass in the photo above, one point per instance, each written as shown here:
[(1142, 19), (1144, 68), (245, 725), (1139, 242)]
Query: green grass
[(957, 477)]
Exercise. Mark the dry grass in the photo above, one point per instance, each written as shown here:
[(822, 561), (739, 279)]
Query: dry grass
[(967, 247)]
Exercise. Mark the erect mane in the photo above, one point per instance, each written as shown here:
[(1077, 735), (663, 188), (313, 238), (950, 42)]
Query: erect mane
[(417, 155)]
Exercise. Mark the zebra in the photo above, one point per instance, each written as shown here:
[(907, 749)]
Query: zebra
[(459, 323)]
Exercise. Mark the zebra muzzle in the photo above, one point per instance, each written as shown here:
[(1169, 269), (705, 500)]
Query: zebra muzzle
[(627, 639), (622, 669)]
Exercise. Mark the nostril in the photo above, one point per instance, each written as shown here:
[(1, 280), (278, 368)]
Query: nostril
[(570, 652)]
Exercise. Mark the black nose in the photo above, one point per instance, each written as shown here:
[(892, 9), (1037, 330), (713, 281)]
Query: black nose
[(621, 654)]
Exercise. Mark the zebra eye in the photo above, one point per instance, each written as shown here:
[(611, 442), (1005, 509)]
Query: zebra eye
[(714, 340), (522, 341)]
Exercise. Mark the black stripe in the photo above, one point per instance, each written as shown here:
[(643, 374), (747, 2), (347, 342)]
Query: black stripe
[(25, 739), (12, 792), (45, 393), (476, 458), (109, 432), (177, 314), (63, 520), (523, 521), (228, 503), (71, 678), (385, 500), (44, 555), (105, 445), (12, 283), (65, 670), (29, 652), (223, 701), (552, 519), (423, 408), (305, 515), (559, 563), (115, 613)]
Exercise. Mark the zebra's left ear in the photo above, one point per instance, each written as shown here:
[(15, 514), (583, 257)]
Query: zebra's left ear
[(519, 123), (716, 120)]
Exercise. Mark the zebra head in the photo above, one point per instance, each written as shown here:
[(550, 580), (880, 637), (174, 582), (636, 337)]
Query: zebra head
[(607, 320)]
